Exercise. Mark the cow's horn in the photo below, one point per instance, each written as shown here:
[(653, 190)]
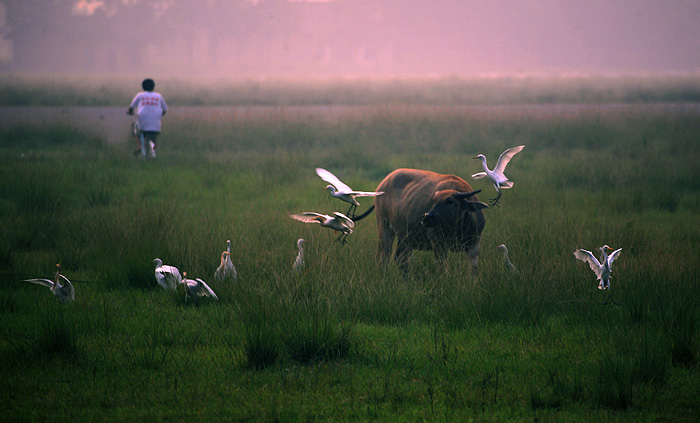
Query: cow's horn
[(467, 194)]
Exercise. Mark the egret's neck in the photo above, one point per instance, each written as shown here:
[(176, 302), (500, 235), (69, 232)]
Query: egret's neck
[(483, 163)]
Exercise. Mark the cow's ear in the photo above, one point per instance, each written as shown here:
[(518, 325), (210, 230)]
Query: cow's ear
[(474, 206)]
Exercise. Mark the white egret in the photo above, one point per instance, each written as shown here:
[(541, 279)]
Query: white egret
[(226, 269), (510, 265), (602, 268), (197, 288), (167, 276), (61, 287), (343, 192), (496, 176), (338, 222), (299, 262)]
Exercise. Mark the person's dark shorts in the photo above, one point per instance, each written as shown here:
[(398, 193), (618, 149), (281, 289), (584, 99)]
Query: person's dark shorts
[(150, 135)]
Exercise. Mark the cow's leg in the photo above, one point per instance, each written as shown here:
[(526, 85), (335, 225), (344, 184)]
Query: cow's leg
[(386, 241), (403, 256)]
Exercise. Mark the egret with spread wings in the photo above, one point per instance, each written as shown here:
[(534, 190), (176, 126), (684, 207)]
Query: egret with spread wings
[(343, 192), (496, 176), (60, 286)]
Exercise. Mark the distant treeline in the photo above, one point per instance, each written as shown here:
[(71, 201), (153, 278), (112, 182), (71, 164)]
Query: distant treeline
[(21, 90)]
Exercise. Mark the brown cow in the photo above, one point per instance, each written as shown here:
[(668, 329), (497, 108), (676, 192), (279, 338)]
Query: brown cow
[(427, 211)]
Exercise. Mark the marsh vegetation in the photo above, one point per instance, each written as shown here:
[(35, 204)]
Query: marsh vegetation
[(346, 340)]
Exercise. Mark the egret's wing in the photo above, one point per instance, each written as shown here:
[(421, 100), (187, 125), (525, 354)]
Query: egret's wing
[(298, 263), (219, 274), (207, 290), (67, 292), (64, 279), (365, 193), (346, 220), (308, 217), (506, 185), (44, 282), (479, 175), (587, 256), (168, 276), (333, 180), (505, 158), (229, 268), (174, 271), (228, 264), (614, 255)]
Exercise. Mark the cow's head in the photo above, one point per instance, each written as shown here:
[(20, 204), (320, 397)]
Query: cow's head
[(449, 206)]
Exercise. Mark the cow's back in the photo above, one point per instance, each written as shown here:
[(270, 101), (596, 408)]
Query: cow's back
[(408, 194)]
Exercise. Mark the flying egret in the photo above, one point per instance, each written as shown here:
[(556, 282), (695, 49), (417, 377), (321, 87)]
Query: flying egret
[(496, 176), (226, 269), (197, 288), (64, 292), (343, 192), (299, 262), (510, 265), (602, 268), (338, 222), (167, 276)]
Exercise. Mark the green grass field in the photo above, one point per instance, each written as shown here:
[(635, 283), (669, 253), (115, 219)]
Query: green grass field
[(346, 340)]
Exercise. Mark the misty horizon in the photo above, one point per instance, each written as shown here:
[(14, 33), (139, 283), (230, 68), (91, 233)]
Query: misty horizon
[(349, 38)]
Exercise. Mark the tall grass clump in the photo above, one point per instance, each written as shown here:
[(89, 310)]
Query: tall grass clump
[(682, 326), (310, 329), (261, 335), (56, 335), (634, 360)]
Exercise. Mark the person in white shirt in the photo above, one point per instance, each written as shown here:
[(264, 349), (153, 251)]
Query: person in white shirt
[(150, 108)]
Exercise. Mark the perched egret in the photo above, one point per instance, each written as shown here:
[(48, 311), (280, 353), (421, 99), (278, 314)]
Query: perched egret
[(167, 276), (197, 288), (64, 292), (510, 265), (602, 268), (343, 192), (299, 262), (496, 176), (226, 269)]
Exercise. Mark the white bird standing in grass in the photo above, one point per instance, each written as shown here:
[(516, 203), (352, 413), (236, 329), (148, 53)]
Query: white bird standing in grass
[(602, 268), (510, 265), (64, 292), (299, 262), (167, 276), (496, 176), (226, 269), (343, 192), (197, 288)]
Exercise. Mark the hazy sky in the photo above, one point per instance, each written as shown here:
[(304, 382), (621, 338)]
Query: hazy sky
[(350, 37)]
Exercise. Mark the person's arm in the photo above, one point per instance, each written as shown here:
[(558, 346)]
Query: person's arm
[(134, 103), (163, 105)]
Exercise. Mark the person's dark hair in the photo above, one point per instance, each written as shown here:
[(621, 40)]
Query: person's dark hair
[(148, 84)]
